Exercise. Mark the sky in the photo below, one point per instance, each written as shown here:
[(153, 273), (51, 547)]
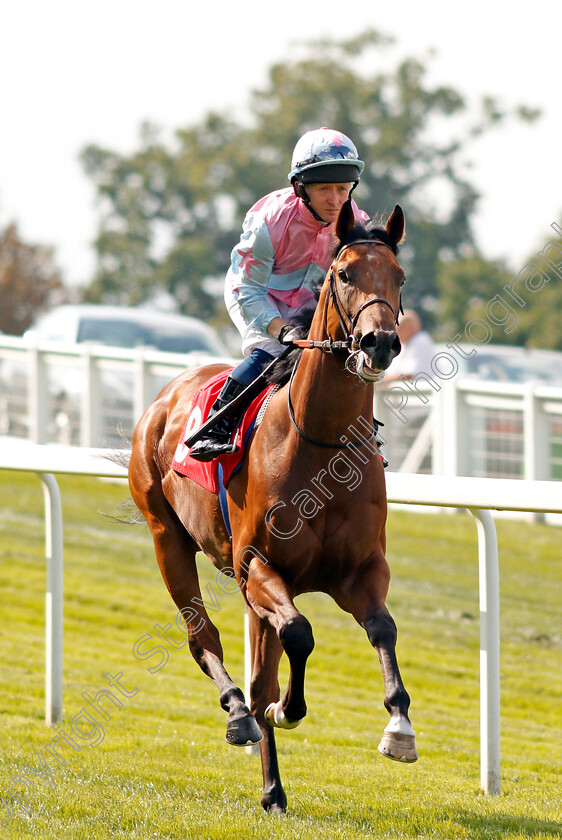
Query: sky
[(75, 74)]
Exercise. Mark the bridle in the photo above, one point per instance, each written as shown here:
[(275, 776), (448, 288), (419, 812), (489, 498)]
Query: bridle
[(347, 322), (330, 345)]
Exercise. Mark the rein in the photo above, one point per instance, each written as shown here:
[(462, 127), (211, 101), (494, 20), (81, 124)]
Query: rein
[(304, 436)]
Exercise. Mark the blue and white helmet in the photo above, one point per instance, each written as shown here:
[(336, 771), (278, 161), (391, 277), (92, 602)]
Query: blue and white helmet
[(325, 156)]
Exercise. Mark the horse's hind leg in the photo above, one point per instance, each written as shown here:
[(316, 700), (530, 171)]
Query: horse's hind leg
[(266, 652), (175, 552)]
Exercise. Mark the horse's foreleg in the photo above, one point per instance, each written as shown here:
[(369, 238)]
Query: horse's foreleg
[(175, 552), (269, 596), (399, 740), (364, 598)]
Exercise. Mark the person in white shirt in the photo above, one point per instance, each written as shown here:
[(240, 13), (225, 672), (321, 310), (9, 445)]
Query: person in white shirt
[(417, 349)]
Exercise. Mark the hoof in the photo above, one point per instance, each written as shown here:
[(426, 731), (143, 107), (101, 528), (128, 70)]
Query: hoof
[(280, 810), (399, 747), (275, 802), (275, 716), (243, 732)]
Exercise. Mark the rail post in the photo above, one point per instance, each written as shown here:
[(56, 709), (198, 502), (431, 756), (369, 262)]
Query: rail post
[(53, 599), (489, 597)]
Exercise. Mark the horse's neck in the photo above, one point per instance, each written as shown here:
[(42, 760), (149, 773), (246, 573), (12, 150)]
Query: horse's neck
[(327, 399)]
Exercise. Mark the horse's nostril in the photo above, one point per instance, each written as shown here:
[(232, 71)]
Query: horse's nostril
[(368, 343), (381, 341)]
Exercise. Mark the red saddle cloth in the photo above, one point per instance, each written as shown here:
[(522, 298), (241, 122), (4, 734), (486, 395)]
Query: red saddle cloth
[(205, 473)]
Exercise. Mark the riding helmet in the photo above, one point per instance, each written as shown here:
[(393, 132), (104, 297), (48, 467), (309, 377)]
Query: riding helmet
[(325, 156)]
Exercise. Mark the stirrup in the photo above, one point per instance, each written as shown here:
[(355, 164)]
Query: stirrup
[(207, 449)]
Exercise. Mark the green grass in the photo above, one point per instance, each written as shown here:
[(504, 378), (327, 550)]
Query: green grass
[(163, 769)]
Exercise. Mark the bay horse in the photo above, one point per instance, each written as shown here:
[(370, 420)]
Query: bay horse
[(307, 508)]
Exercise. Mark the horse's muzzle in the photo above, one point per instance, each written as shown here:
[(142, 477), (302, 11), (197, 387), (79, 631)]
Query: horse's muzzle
[(380, 347)]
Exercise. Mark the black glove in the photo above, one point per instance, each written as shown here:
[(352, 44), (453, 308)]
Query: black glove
[(290, 333)]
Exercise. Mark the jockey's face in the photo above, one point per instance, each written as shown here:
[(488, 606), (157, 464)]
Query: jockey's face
[(328, 199)]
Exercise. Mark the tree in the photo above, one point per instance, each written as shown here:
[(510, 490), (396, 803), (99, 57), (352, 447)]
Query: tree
[(29, 281), (164, 226), (539, 285), (521, 308), (172, 214), (465, 286)]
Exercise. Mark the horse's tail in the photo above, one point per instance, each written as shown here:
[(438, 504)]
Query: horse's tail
[(121, 457), (127, 511), (127, 514)]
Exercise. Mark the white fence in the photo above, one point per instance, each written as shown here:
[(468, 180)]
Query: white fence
[(90, 396), (81, 395), (474, 428), (478, 495)]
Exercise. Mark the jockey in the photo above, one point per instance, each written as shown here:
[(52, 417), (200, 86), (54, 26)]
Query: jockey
[(285, 249)]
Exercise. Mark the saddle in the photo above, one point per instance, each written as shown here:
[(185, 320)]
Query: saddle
[(213, 474)]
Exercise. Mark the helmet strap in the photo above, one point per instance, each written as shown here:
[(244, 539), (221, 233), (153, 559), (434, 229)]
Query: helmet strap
[(300, 192)]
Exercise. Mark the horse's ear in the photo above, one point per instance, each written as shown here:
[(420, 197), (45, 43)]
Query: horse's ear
[(396, 225), (346, 221)]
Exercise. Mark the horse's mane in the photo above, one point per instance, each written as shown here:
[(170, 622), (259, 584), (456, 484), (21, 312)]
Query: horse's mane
[(280, 372)]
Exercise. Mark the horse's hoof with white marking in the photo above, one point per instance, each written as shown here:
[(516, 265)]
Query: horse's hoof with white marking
[(399, 747), (275, 716)]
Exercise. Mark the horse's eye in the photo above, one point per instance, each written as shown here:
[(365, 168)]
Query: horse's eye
[(343, 276), (402, 281)]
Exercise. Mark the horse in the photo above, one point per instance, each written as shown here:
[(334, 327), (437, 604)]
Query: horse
[(307, 507)]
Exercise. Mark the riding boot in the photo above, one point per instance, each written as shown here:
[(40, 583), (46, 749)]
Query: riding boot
[(217, 440)]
